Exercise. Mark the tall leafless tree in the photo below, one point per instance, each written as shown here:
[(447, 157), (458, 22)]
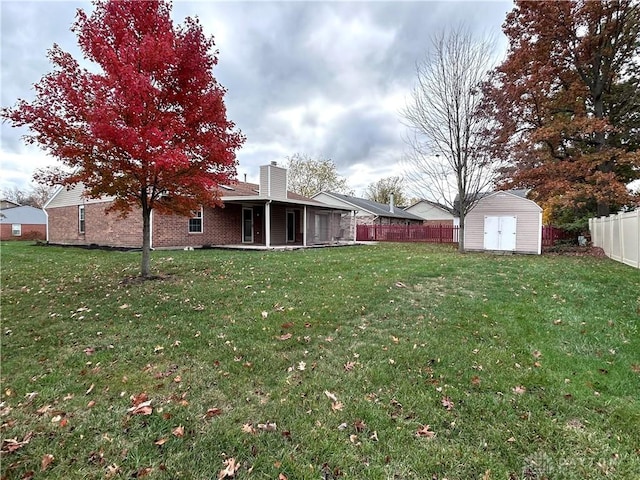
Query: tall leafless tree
[(447, 162)]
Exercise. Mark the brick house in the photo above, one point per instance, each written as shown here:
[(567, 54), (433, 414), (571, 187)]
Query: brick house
[(22, 222), (263, 215)]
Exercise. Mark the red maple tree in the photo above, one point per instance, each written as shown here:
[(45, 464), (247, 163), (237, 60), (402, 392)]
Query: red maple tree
[(150, 129), (565, 104)]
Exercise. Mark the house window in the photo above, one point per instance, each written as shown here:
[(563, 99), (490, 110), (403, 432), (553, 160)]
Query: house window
[(81, 219), (195, 222), (16, 229)]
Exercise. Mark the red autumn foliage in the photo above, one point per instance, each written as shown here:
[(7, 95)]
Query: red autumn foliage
[(148, 129), (563, 102)]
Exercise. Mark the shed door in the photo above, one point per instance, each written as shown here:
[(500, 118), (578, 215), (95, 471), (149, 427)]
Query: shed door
[(500, 233)]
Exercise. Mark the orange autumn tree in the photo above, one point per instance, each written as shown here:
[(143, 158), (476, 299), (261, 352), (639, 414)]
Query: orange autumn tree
[(148, 127), (565, 103)]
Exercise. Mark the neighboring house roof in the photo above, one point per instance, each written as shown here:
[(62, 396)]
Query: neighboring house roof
[(433, 204), (374, 208), (26, 215), (4, 204)]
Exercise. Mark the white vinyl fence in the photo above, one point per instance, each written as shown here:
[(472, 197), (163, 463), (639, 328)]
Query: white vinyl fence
[(619, 236)]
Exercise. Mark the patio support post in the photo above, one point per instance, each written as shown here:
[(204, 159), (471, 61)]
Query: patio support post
[(267, 224), (304, 227), (354, 225)]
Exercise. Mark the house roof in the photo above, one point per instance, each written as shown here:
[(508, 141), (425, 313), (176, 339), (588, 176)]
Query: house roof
[(243, 191), (435, 204), (375, 208), (25, 214)]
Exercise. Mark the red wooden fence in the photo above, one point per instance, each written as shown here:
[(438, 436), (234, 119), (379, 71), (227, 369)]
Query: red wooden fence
[(551, 235), (408, 233), (439, 234)]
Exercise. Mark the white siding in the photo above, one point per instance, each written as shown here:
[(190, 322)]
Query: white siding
[(529, 221), (429, 212), (273, 182), (73, 196)]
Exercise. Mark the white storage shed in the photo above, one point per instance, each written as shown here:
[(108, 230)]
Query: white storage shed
[(504, 221)]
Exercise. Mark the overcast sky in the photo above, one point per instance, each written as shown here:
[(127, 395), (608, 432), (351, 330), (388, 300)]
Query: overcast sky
[(327, 79)]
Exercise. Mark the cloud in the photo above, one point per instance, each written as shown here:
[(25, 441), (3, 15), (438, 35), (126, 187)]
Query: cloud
[(327, 79)]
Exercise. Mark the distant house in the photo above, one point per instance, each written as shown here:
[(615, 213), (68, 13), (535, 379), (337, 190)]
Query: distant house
[(433, 213), (4, 203), (253, 215), (504, 221), (369, 212), (22, 222)]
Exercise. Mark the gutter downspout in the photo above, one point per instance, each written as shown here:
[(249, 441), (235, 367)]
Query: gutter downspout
[(46, 215)]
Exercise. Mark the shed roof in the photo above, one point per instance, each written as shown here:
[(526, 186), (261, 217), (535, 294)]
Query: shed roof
[(25, 215)]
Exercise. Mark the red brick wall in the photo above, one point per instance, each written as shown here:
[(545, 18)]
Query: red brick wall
[(100, 228), (221, 226), (29, 232)]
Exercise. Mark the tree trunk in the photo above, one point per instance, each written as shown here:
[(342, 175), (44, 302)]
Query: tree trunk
[(461, 233), (145, 266)]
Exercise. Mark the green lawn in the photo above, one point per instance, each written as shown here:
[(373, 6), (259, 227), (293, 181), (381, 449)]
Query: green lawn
[(369, 362)]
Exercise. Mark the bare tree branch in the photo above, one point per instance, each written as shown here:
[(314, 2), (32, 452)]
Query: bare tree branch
[(447, 162)]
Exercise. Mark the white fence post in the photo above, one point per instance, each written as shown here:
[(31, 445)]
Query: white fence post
[(619, 236)]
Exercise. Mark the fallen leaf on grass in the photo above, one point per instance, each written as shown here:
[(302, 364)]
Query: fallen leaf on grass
[(213, 412), (267, 427), (331, 396), (161, 441), (90, 389), (10, 445), (286, 325), (231, 467), (44, 409), (144, 408), (425, 432), (519, 390), (282, 476), (112, 471), (248, 428), (286, 336), (178, 431), (359, 425), (337, 406), (447, 403), (47, 460), (143, 472), (349, 366)]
